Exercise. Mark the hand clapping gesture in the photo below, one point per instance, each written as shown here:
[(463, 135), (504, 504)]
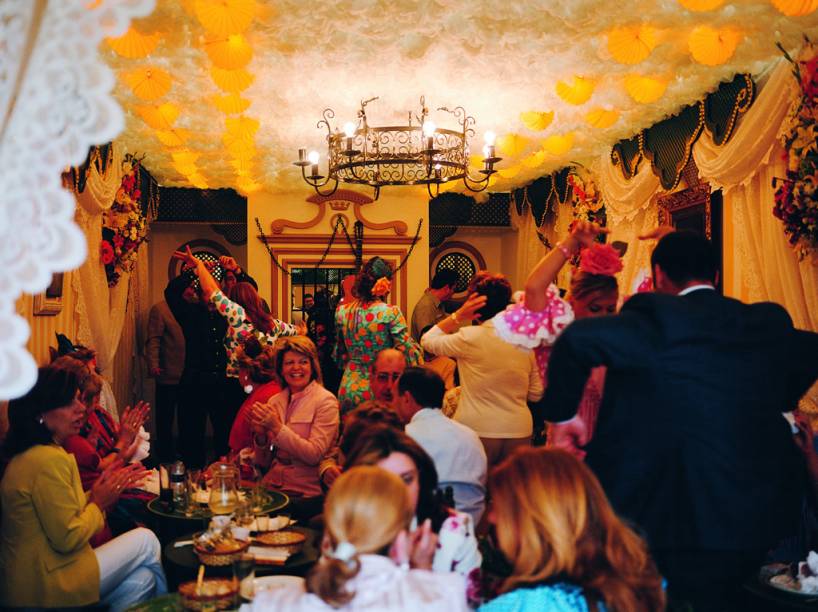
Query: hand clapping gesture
[(416, 549), (130, 423), (113, 481), (264, 418)]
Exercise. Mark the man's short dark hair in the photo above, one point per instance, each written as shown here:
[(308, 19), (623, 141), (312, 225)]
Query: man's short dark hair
[(445, 277), (424, 385), (686, 256)]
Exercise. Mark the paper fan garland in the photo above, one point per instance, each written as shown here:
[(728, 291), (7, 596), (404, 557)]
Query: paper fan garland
[(795, 8), (537, 121), (230, 53), (631, 45), (148, 83), (602, 118), (512, 145), (231, 81), (643, 89), (225, 17), (535, 160), (133, 44), (701, 5), (559, 143), (173, 138), (578, 92), (159, 117), (231, 104), (712, 47)]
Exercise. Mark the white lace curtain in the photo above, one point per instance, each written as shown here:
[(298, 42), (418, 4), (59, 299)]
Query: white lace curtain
[(55, 102)]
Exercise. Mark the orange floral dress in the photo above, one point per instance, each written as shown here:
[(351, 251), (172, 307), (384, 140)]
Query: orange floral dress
[(364, 330)]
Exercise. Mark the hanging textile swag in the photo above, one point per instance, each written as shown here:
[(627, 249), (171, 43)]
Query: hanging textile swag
[(667, 145), (543, 195)]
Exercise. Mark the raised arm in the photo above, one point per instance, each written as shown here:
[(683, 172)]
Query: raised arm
[(208, 283), (545, 272)]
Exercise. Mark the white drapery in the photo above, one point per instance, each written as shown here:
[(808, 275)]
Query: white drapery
[(100, 309), (55, 102)]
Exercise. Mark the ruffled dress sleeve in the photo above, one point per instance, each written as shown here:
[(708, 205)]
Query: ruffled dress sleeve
[(531, 329)]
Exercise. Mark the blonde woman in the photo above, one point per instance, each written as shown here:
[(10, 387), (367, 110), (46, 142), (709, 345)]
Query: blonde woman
[(569, 551), (367, 549), (296, 427)]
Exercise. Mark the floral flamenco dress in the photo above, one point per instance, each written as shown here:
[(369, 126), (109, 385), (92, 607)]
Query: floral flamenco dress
[(538, 330), (364, 330)]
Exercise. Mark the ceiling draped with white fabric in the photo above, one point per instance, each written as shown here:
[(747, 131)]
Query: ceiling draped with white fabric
[(223, 93)]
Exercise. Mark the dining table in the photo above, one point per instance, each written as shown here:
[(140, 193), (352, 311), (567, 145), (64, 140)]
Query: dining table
[(182, 564)]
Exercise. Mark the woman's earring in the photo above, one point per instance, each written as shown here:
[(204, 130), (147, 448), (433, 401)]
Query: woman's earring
[(41, 421)]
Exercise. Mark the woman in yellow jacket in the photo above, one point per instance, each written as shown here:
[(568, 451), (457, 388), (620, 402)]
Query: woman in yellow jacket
[(48, 520)]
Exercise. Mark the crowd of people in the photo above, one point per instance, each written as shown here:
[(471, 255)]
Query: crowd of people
[(668, 472)]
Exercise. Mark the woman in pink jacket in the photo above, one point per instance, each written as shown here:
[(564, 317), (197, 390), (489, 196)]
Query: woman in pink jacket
[(296, 427)]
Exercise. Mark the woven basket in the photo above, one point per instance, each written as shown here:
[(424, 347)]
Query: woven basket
[(220, 558), (291, 541), (223, 601)]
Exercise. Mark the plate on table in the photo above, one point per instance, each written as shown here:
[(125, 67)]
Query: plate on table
[(266, 583), (780, 576)]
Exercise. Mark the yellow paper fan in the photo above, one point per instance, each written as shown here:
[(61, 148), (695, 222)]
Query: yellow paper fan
[(159, 117), (148, 83), (645, 89), (231, 81), (509, 172), (185, 156), (713, 47), (559, 143), (601, 118), (224, 17), (244, 128), (238, 148), (231, 104), (133, 44), (535, 160), (242, 166), (173, 138), (536, 121), (512, 145), (701, 5), (186, 169), (795, 8), (231, 52), (631, 45), (578, 92)]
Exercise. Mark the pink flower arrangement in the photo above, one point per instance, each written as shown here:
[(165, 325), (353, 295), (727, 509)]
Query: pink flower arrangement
[(796, 196), (600, 259), (123, 227)]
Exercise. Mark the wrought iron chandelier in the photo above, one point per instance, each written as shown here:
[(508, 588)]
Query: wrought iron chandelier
[(413, 154)]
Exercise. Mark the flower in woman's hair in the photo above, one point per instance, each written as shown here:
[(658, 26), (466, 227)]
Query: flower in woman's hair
[(600, 259), (106, 252), (381, 287)]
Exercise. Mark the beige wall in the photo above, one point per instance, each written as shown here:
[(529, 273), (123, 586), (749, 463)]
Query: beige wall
[(395, 204), (43, 328), (498, 247)]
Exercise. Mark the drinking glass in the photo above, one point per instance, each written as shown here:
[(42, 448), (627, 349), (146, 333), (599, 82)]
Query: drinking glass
[(244, 573)]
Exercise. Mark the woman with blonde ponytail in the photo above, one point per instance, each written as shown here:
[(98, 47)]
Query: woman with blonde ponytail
[(367, 555), (569, 550)]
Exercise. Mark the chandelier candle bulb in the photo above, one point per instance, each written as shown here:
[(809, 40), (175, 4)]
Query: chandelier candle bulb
[(302, 155)]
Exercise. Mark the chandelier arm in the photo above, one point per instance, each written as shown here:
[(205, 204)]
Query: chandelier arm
[(326, 194), (429, 190), (377, 192), (327, 114), (476, 185)]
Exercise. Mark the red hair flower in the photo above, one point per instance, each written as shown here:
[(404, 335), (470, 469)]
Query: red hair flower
[(382, 287), (106, 252), (600, 259)]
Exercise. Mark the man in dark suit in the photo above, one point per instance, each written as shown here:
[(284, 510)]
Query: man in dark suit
[(690, 444)]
